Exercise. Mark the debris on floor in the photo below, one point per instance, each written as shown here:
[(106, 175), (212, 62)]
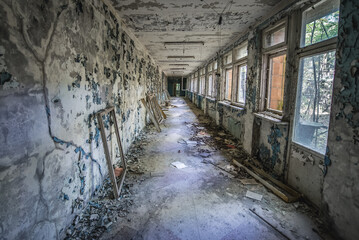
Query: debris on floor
[(248, 181), (253, 195), (178, 165)]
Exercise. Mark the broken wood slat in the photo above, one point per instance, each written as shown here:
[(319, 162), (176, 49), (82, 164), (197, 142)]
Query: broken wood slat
[(277, 192), (154, 108), (111, 172), (275, 181), (152, 117), (159, 108)]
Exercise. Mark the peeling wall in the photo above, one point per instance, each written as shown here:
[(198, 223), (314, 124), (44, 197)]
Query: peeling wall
[(60, 63), (341, 188), (329, 181)]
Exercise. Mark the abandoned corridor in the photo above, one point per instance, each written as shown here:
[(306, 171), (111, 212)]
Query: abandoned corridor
[(204, 200)]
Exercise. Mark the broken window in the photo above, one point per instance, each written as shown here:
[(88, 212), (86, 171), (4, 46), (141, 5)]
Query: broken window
[(241, 83), (320, 22), (228, 85)]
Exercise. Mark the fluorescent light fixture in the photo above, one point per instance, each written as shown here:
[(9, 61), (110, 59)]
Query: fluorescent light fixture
[(180, 57), (178, 64), (177, 68), (183, 43)]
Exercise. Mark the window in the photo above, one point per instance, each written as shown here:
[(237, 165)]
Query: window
[(202, 85), (320, 22), (316, 75), (241, 83), (228, 85), (227, 59), (314, 101), (276, 82), (241, 52), (274, 62), (202, 80), (210, 87), (275, 36), (195, 82)]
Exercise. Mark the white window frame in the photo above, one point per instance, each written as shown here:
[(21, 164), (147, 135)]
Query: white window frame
[(306, 51)]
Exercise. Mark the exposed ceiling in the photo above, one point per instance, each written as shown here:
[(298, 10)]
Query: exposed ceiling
[(155, 22)]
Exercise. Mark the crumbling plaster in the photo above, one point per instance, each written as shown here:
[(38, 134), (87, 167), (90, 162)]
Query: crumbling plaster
[(61, 62), (330, 181), (341, 189), (156, 22)]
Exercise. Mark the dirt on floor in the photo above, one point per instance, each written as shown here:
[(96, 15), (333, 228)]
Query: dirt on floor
[(181, 184)]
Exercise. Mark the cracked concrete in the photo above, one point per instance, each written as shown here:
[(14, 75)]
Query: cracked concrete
[(52, 158)]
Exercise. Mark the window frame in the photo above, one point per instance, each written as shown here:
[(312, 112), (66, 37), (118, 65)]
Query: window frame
[(202, 82), (267, 53), (237, 63), (321, 47), (237, 66), (210, 72)]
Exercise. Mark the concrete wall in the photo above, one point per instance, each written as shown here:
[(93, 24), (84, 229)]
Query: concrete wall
[(60, 63), (341, 188)]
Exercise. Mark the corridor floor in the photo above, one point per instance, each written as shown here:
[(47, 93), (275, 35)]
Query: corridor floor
[(206, 199)]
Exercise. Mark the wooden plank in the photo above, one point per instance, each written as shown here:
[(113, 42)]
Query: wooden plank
[(111, 172), (116, 188), (275, 181), (152, 117), (266, 184)]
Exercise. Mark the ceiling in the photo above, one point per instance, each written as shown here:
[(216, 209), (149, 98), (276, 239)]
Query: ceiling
[(155, 22)]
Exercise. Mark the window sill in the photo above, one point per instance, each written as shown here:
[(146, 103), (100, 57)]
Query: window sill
[(229, 104), (210, 98), (276, 119), (308, 150)]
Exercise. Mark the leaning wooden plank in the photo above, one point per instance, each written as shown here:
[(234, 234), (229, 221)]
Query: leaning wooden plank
[(152, 100), (275, 181), (152, 117), (111, 112), (159, 108), (266, 184)]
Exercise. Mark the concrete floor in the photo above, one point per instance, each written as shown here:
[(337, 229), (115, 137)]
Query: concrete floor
[(200, 201)]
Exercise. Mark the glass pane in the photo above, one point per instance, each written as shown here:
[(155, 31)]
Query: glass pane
[(242, 76), (215, 65), (276, 82), (314, 101), (210, 84), (275, 38), (320, 22), (228, 89), (241, 52)]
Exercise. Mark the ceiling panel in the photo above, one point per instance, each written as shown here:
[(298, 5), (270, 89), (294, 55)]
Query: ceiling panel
[(155, 22)]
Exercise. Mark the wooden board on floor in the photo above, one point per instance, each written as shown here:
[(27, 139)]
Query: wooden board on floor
[(112, 115), (284, 195)]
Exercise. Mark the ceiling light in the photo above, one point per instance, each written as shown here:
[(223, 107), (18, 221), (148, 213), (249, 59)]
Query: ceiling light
[(184, 43), (178, 64), (181, 57)]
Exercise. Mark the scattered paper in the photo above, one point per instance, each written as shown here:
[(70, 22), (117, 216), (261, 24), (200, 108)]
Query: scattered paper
[(179, 165), (248, 181), (254, 195)]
